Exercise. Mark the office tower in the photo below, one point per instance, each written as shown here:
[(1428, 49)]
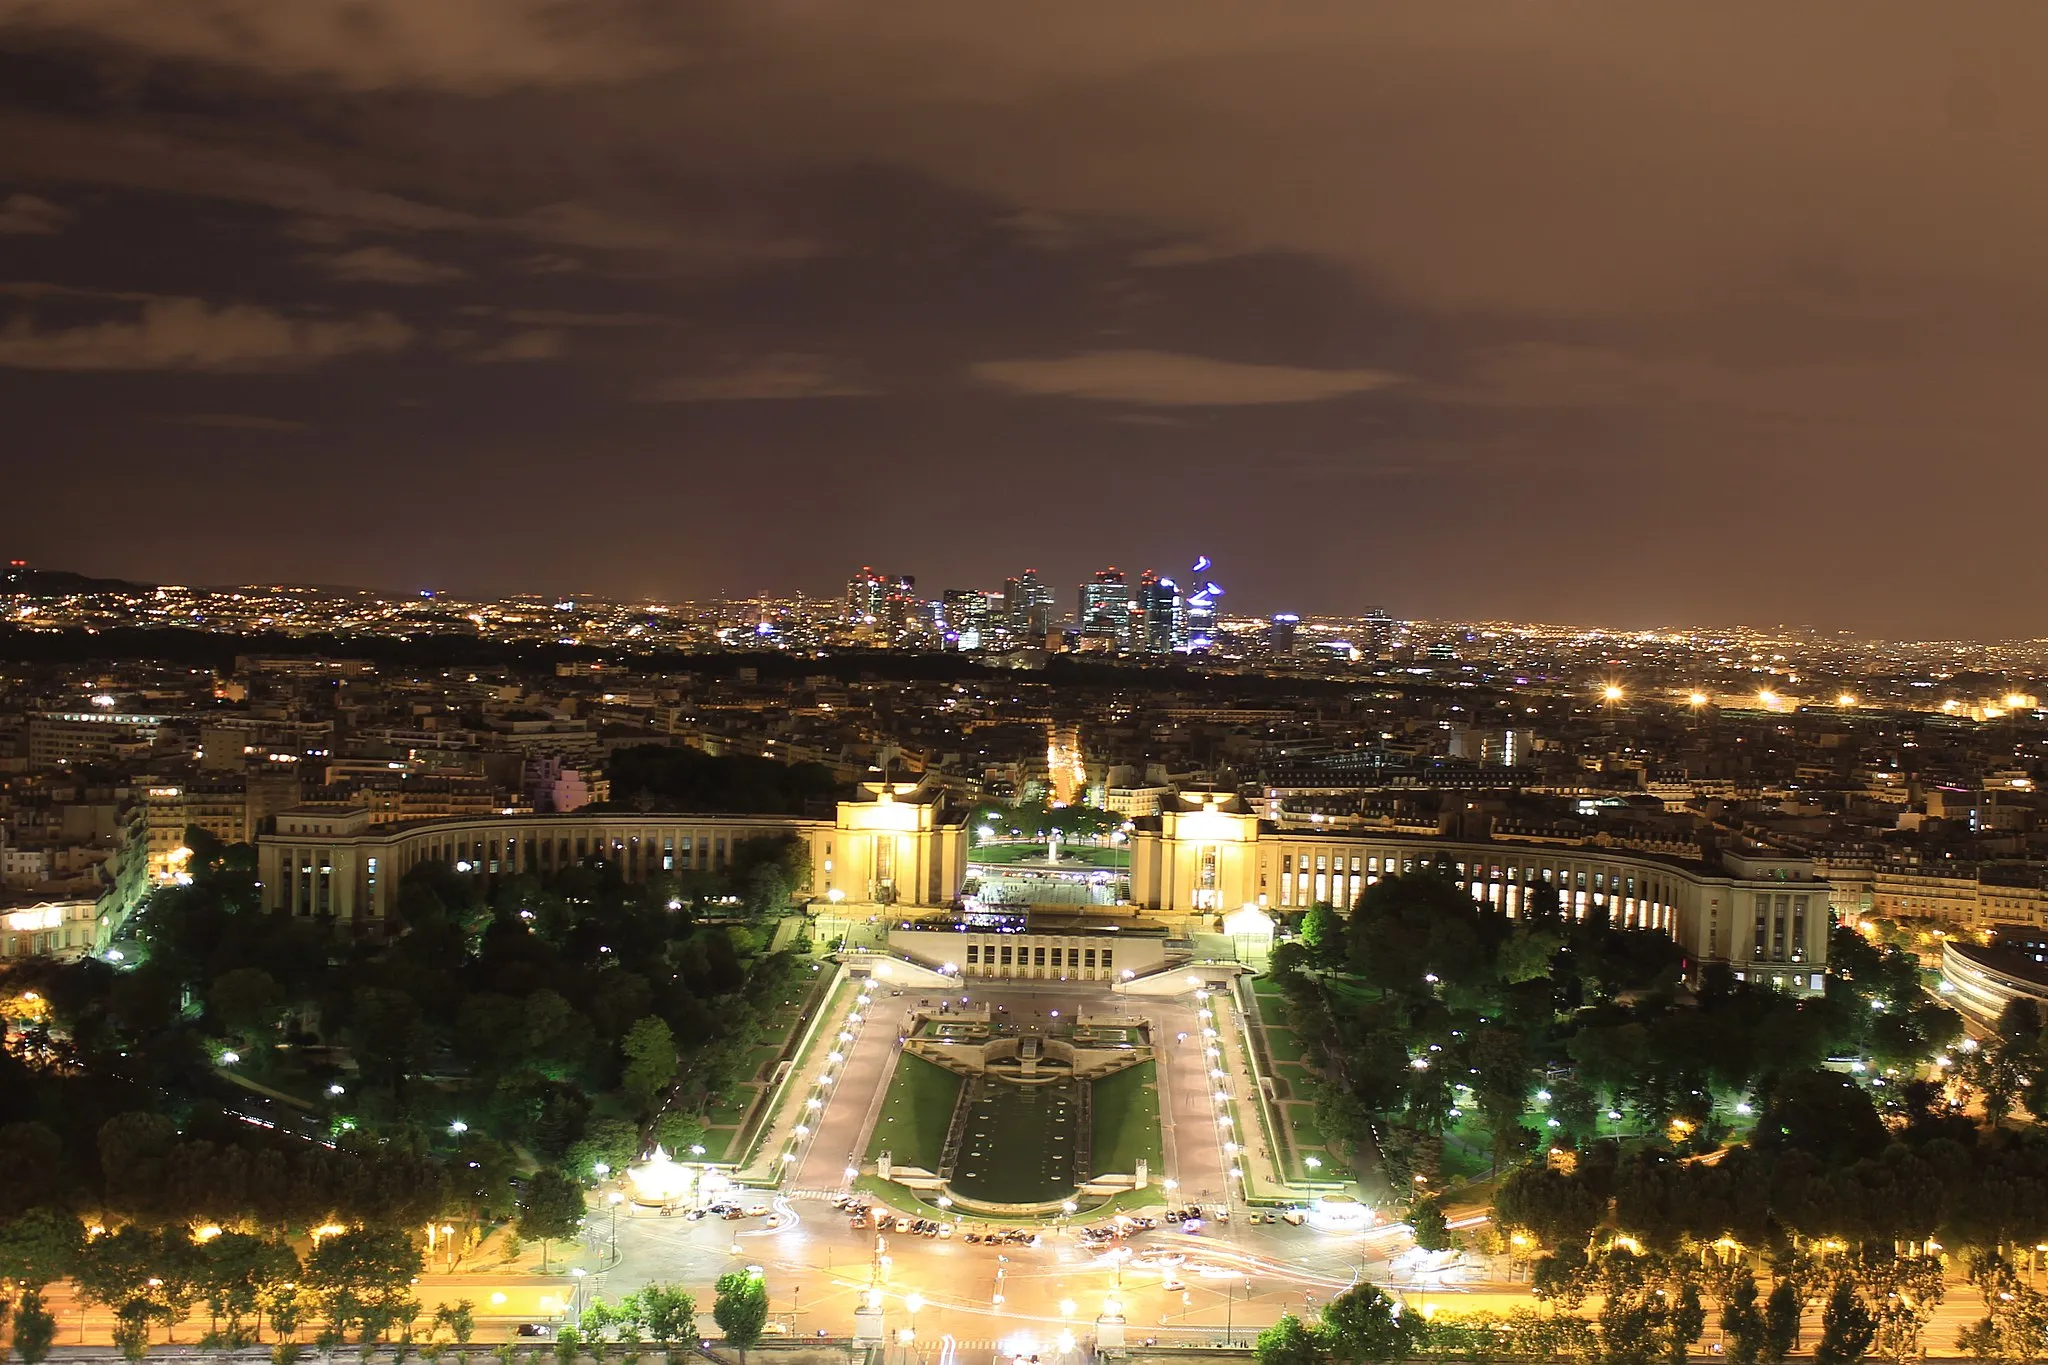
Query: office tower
[(964, 617), (1280, 635), (1162, 625), (1202, 598), (1027, 603), (900, 607), (1105, 606), (1379, 634), (866, 593)]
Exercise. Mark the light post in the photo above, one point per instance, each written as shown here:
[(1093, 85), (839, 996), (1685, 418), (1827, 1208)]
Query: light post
[(912, 1302), (615, 1199), (582, 1278)]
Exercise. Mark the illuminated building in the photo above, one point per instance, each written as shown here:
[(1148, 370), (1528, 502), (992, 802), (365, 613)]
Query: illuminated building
[(1280, 635), (61, 929), (866, 595), (1027, 604), (1160, 624), (1105, 606), (1764, 914), (1981, 982), (1202, 598), (1379, 631), (964, 616), (891, 848)]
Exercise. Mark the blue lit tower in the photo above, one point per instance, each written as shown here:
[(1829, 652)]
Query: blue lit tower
[(1203, 595)]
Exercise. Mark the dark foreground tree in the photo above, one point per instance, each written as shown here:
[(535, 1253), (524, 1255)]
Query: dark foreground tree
[(741, 1309)]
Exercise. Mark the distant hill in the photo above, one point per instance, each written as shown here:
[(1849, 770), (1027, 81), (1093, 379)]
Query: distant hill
[(19, 579)]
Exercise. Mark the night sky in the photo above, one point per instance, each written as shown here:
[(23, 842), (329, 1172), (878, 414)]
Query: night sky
[(1619, 313)]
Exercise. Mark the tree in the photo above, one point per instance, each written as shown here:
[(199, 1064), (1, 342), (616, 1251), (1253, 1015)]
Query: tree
[(1743, 1322), (361, 1279), (1685, 1321), (741, 1308), (1846, 1328), (1288, 1342), (1363, 1324), (1782, 1312), (668, 1313), (35, 1328), (1821, 1113), (550, 1208), (457, 1319), (1556, 1209), (144, 1277), (1432, 1229), (40, 1246), (1322, 930), (236, 1272), (650, 1051), (247, 1002)]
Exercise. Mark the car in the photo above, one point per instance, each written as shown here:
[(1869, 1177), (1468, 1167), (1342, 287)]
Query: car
[(1294, 1218), (695, 1215), (973, 1238), (531, 1329), (945, 1232), (732, 1215), (757, 1210), (859, 1222)]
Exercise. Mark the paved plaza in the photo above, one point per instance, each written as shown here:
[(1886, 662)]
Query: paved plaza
[(1232, 1275)]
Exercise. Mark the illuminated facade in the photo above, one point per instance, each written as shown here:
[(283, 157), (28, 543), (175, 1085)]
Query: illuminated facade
[(893, 847), (1765, 915), (1981, 982), (60, 929)]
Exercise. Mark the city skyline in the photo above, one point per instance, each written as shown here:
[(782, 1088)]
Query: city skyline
[(1588, 314)]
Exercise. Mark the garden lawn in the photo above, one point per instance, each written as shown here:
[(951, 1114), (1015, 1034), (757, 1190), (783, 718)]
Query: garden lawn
[(915, 1114), (1126, 1109)]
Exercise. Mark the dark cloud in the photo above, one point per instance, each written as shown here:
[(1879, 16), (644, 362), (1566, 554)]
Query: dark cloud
[(1745, 277), (772, 378), (1160, 379), (29, 215), (191, 334), (386, 265)]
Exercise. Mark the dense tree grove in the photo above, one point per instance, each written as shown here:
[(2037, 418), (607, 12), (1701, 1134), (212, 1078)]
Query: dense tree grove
[(433, 1071), (1876, 1155), (1425, 1006)]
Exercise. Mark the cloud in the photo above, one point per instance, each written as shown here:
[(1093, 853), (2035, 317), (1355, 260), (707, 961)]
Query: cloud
[(785, 376), (190, 334), (230, 421), (386, 265), (556, 317), (28, 215), (1184, 253), (467, 46), (1164, 379), (533, 344)]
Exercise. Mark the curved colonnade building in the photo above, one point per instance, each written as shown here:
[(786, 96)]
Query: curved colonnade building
[(1765, 914)]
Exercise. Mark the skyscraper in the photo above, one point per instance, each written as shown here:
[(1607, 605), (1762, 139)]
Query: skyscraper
[(1202, 598), (1161, 618), (964, 617), (1028, 603), (1280, 635), (1105, 606), (1379, 632), (866, 593)]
